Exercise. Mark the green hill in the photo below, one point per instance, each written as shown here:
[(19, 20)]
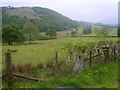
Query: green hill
[(43, 18)]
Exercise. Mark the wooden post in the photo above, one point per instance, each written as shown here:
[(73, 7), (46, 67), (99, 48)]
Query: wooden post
[(104, 50), (70, 56), (106, 54), (84, 64), (9, 72), (98, 50), (90, 56), (56, 58), (114, 51), (56, 62)]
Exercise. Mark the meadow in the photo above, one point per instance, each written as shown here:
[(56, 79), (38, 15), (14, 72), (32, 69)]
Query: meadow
[(31, 58), (44, 50)]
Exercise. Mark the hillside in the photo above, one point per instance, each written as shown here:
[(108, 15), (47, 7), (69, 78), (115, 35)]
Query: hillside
[(43, 18)]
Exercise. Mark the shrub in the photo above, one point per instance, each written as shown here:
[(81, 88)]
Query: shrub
[(50, 64), (44, 37), (21, 67), (40, 66)]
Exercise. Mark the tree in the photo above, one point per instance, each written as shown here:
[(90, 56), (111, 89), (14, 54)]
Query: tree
[(73, 33), (118, 31), (103, 32), (51, 33), (11, 34), (31, 32), (87, 29)]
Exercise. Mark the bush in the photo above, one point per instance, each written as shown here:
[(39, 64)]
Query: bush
[(21, 67), (50, 64), (44, 37), (40, 66)]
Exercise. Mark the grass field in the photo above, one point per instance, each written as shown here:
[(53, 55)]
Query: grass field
[(98, 76), (43, 50), (104, 75)]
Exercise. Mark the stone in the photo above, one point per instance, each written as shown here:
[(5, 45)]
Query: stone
[(79, 65)]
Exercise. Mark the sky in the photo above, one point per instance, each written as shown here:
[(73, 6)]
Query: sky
[(96, 11)]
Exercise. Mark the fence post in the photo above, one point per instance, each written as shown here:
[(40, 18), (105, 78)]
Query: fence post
[(9, 72), (114, 53), (70, 56), (84, 64), (90, 56), (98, 50), (106, 54), (56, 61)]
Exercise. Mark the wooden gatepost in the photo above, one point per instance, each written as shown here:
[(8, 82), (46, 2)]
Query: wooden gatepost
[(9, 72), (56, 62)]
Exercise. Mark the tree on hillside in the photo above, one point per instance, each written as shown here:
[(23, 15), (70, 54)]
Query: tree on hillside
[(11, 34), (51, 33), (73, 33), (118, 31), (87, 29), (31, 32), (103, 32)]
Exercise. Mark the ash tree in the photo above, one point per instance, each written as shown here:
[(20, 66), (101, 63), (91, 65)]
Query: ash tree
[(101, 32), (31, 32), (87, 29), (51, 33), (74, 33), (11, 34)]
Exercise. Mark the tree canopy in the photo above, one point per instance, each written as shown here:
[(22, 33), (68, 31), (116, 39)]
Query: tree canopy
[(103, 32), (73, 33), (31, 32), (48, 19), (51, 33), (11, 34), (87, 29)]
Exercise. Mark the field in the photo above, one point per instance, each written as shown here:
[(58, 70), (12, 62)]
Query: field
[(43, 49), (42, 52)]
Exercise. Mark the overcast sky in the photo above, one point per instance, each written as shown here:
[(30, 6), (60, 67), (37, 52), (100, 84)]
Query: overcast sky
[(105, 11)]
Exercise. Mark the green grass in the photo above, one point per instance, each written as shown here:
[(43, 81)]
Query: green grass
[(43, 50), (104, 75), (98, 76)]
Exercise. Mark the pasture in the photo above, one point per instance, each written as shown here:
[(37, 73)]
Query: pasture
[(29, 59), (44, 50)]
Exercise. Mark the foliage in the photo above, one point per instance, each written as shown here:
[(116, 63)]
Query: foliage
[(73, 33), (104, 75), (69, 46), (11, 34), (103, 32), (49, 19), (51, 33), (44, 50), (31, 32), (44, 37), (87, 29)]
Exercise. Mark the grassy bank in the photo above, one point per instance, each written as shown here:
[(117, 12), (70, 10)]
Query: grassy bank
[(104, 75)]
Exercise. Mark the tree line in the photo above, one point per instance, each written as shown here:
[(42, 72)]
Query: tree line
[(12, 34)]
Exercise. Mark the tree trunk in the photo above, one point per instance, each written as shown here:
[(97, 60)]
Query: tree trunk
[(10, 43), (30, 41)]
